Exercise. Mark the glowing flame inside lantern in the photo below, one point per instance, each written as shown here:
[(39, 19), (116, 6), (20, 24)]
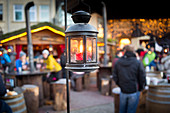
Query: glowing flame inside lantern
[(81, 48)]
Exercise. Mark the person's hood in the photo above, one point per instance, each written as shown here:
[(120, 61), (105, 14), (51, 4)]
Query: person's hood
[(12, 53), (127, 59)]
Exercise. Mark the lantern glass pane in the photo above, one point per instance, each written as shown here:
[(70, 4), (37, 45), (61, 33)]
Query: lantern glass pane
[(91, 49), (76, 50)]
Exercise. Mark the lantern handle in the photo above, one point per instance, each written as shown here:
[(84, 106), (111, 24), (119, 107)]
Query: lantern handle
[(81, 2)]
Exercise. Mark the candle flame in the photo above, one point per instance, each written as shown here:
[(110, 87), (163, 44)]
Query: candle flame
[(90, 49), (81, 48)]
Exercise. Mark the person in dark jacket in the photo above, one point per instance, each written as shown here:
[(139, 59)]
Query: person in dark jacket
[(129, 75), (63, 64), (3, 106), (12, 56)]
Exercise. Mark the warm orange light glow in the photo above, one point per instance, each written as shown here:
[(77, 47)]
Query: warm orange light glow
[(100, 44), (123, 42), (165, 50), (100, 29), (0, 53), (34, 31), (50, 49), (149, 52), (149, 46), (9, 50)]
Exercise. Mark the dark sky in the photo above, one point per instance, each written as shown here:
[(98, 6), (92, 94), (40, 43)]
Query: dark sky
[(119, 9)]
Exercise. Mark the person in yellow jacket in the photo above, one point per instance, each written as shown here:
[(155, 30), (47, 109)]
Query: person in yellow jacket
[(52, 64)]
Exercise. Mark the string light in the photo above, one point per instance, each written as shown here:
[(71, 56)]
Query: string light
[(34, 31)]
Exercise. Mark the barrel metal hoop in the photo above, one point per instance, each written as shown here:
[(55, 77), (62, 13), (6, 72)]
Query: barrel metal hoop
[(159, 102), (161, 91), (14, 100), (16, 105), (162, 96), (20, 111)]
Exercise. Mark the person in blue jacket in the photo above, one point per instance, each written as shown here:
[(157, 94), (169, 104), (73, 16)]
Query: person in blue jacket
[(21, 63), (5, 60)]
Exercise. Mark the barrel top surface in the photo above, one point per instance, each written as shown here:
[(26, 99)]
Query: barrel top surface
[(105, 66), (160, 85), (60, 81), (28, 73), (30, 86), (156, 72), (12, 96)]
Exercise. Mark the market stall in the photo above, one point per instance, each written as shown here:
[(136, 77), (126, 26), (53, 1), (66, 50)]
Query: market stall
[(44, 35)]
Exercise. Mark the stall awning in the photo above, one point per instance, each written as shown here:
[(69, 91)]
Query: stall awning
[(35, 28)]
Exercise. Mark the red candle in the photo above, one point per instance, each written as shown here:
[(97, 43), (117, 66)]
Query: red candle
[(79, 56)]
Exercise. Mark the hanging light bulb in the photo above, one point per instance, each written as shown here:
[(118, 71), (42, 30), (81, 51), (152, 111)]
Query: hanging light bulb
[(149, 52), (50, 48), (10, 49), (166, 49)]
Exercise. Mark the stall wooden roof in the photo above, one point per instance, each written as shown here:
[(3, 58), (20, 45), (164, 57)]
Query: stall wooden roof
[(35, 28)]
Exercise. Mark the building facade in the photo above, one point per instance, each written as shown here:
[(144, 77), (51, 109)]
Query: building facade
[(12, 16)]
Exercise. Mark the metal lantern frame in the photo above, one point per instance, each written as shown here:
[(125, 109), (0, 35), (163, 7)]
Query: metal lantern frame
[(82, 31)]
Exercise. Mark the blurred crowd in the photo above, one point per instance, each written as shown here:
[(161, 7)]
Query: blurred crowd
[(151, 59), (44, 61)]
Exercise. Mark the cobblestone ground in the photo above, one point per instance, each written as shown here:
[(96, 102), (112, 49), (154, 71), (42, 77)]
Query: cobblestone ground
[(105, 108), (86, 102)]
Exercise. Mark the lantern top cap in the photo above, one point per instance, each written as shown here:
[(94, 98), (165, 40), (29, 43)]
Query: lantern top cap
[(81, 17)]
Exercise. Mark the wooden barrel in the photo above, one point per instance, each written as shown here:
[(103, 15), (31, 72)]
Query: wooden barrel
[(116, 94), (105, 86), (31, 95), (142, 102), (158, 99), (60, 100), (78, 83), (17, 103)]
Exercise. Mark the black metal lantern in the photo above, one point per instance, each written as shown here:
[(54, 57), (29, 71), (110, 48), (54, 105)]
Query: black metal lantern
[(81, 42)]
